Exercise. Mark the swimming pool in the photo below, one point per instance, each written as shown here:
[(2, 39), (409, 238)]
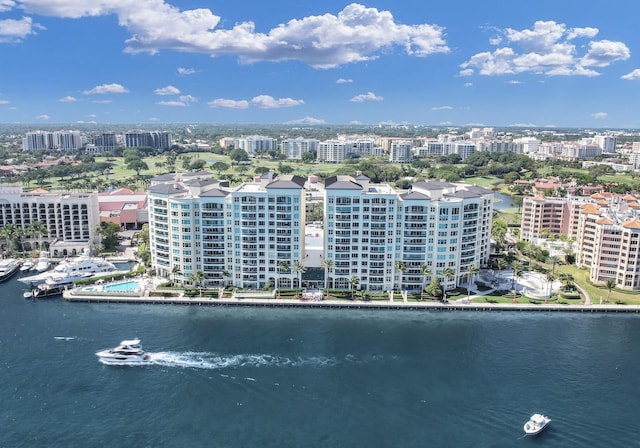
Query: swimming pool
[(131, 285)]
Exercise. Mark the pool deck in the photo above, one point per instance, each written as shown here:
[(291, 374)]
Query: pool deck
[(348, 304)]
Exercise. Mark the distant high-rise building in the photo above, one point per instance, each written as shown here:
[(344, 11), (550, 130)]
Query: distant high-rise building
[(152, 139)]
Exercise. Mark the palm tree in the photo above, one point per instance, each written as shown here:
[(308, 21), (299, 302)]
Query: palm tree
[(328, 266), (175, 272), (225, 275), (401, 267), (8, 232), (354, 282), (425, 270), (283, 267), (516, 266), (448, 274), (610, 284), (553, 260), (197, 280), (550, 278), (472, 270), (37, 229), (299, 268), (501, 264)]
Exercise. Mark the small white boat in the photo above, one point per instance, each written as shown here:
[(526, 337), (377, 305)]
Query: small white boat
[(27, 266), (536, 423), (128, 352)]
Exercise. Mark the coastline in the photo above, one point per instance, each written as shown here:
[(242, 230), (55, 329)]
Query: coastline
[(347, 304)]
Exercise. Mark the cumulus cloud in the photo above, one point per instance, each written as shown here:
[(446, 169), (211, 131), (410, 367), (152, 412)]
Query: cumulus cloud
[(355, 34), (17, 30), (632, 76), (343, 81), (186, 71), (182, 101), (369, 96), (269, 102), (168, 90), (600, 115), (549, 48), (442, 108), (7, 5), (43, 117), (105, 89), (229, 104), (308, 121), (67, 99)]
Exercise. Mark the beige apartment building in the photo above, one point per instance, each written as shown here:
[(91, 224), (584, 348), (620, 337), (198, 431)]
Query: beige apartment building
[(605, 226)]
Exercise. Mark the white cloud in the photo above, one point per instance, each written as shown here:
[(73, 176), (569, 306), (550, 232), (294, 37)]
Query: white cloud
[(548, 49), (467, 84), (355, 34), (186, 71), (4, 101), (188, 99), (307, 120), (269, 102), (16, 30), (43, 117), (369, 96), (174, 103), (67, 99), (600, 115), (632, 76), (229, 104), (168, 90), (514, 81), (442, 108), (7, 5), (604, 52), (103, 101), (343, 81), (105, 89)]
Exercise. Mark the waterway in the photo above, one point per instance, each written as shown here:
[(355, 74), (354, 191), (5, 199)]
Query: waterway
[(262, 377)]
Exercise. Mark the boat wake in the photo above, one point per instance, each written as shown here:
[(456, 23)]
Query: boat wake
[(214, 361)]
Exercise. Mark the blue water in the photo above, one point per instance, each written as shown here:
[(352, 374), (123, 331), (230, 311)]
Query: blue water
[(131, 285), (253, 377)]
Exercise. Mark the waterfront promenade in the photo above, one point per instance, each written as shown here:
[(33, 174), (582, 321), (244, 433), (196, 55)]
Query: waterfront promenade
[(75, 296)]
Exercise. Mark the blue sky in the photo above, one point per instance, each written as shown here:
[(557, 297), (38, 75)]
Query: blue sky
[(492, 63)]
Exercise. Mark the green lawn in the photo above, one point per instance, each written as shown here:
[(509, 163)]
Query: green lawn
[(581, 277)]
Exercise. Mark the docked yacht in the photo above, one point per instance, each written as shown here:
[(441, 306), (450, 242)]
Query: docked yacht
[(128, 352), (43, 262), (536, 423), (27, 265), (8, 267), (70, 270)]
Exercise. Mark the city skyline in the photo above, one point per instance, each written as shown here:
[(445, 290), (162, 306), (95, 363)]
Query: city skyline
[(461, 64)]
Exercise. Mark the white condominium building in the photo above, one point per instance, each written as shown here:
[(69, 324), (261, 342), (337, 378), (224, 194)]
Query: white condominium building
[(293, 148), (385, 237), (58, 140), (401, 151), (256, 144), (247, 236), (66, 216)]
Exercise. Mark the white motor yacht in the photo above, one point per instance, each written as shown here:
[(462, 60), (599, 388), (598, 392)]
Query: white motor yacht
[(128, 352), (536, 423), (43, 262), (8, 267), (84, 266)]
